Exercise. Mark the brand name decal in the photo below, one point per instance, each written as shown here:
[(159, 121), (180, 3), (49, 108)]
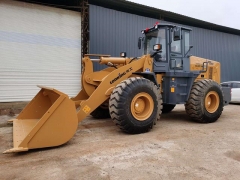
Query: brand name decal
[(120, 75)]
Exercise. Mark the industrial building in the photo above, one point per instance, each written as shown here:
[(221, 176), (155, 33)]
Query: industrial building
[(42, 41)]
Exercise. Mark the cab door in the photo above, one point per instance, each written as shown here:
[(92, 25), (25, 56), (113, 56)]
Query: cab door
[(176, 53), (179, 50)]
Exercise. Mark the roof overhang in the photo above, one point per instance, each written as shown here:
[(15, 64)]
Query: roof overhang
[(142, 10), (138, 9)]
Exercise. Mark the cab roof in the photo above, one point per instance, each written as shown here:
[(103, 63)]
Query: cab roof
[(158, 25)]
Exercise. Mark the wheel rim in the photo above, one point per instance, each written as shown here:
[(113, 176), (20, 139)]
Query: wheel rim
[(212, 101), (142, 106)]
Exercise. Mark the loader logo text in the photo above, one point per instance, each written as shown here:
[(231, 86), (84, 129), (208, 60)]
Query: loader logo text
[(120, 75)]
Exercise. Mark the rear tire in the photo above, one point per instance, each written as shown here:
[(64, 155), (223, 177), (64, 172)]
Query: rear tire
[(205, 103), (167, 108), (135, 105)]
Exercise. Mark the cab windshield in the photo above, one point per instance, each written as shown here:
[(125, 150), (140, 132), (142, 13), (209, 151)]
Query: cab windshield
[(155, 37)]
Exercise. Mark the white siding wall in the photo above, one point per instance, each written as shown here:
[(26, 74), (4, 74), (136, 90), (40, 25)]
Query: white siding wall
[(39, 45)]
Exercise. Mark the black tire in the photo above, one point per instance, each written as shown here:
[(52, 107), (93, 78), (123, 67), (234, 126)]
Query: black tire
[(120, 105), (101, 113), (167, 108), (196, 106)]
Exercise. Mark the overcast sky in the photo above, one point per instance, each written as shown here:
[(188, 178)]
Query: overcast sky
[(222, 12)]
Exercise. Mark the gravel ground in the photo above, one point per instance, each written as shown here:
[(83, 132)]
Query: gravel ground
[(175, 149)]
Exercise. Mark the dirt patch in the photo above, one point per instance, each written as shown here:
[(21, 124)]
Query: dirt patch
[(12, 108), (176, 148), (234, 155), (4, 120)]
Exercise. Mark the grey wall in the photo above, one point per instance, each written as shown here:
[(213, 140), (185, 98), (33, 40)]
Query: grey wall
[(112, 32), (221, 47)]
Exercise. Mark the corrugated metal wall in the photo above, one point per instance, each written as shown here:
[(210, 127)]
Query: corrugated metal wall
[(113, 31), (221, 47)]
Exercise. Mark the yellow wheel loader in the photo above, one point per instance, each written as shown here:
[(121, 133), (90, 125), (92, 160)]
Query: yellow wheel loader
[(132, 91)]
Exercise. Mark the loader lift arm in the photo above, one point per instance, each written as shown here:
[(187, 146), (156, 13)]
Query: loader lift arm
[(104, 89)]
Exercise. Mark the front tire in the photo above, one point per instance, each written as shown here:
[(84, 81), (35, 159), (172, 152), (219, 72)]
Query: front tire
[(205, 103), (135, 105)]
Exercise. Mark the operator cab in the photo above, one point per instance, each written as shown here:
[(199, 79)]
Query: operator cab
[(175, 46)]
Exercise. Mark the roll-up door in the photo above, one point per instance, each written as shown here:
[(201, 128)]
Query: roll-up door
[(39, 45)]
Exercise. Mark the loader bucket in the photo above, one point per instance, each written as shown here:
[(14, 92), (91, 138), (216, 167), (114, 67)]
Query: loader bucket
[(50, 119)]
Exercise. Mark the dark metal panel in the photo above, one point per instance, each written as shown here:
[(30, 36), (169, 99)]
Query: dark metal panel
[(112, 32)]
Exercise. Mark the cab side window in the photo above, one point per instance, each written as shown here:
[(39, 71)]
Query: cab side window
[(175, 46), (186, 41)]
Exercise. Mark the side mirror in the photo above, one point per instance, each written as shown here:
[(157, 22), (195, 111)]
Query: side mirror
[(157, 47), (177, 34), (139, 43)]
